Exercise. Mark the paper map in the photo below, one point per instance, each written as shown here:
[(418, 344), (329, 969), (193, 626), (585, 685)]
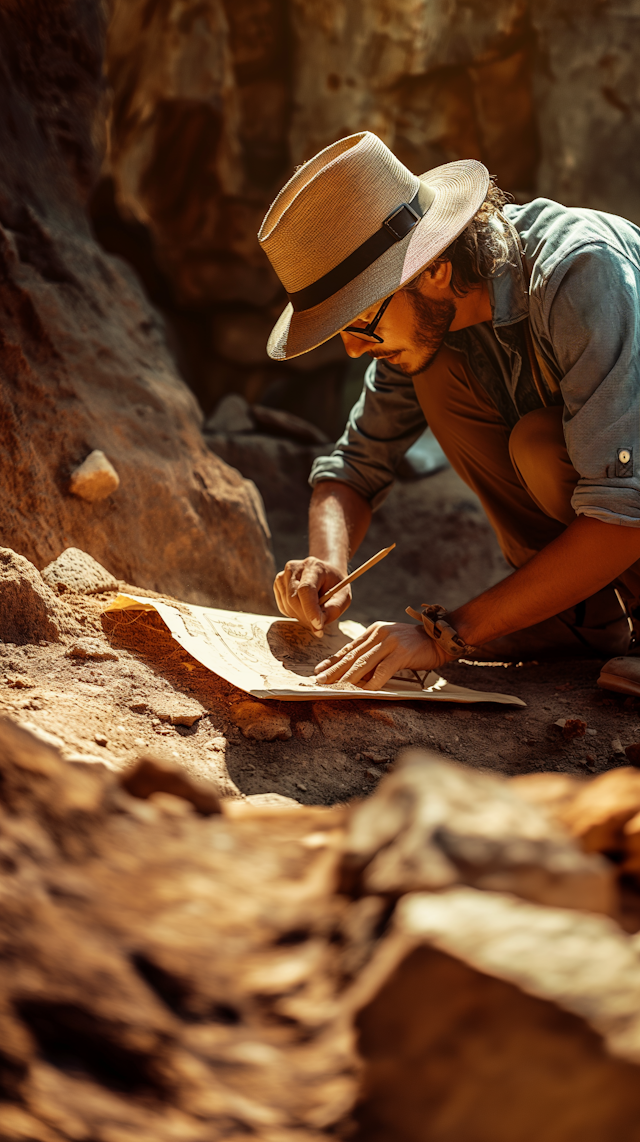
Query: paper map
[(275, 657)]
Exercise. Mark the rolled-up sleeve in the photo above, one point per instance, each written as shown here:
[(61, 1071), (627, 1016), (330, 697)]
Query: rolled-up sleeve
[(385, 421), (594, 328)]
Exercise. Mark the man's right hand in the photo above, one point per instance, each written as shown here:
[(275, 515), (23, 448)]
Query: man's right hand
[(299, 587)]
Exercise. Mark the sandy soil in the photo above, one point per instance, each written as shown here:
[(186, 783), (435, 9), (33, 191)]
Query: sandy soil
[(115, 710)]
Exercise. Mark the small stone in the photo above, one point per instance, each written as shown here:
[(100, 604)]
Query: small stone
[(617, 746), (509, 717), (571, 728), (592, 732), (301, 786), (178, 717), (95, 479), (19, 681), (376, 755), (590, 758), (217, 744), (372, 774), (100, 739), (75, 570), (257, 721), (91, 648), (140, 742), (304, 730)]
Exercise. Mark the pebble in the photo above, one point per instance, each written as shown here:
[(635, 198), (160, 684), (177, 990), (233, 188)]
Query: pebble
[(95, 479), (304, 730), (91, 648), (100, 739)]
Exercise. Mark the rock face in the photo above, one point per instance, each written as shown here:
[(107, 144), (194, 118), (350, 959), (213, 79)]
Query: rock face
[(84, 363), (217, 102), (179, 966)]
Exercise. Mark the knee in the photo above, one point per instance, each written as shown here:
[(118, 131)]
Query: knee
[(539, 455)]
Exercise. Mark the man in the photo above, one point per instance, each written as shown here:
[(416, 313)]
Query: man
[(514, 331)]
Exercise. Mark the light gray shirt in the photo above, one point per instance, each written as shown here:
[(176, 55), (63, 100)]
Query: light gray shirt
[(583, 305)]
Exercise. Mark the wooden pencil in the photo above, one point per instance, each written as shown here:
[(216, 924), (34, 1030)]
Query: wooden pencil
[(356, 574)]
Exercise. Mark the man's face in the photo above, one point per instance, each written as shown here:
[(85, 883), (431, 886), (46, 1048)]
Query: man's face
[(413, 326)]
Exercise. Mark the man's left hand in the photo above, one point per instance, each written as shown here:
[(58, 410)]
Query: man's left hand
[(379, 653)]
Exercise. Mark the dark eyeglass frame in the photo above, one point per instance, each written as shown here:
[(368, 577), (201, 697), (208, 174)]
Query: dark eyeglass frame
[(368, 332)]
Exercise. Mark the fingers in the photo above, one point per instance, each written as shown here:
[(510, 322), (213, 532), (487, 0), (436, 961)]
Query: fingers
[(298, 588), (354, 666), (311, 581), (337, 605), (350, 651)]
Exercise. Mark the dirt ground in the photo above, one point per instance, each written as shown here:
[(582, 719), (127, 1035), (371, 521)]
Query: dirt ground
[(116, 709)]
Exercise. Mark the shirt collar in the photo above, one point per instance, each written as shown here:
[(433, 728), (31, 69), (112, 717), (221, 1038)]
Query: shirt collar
[(508, 289)]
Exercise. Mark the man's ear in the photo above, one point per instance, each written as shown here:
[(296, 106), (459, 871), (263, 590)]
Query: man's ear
[(439, 274)]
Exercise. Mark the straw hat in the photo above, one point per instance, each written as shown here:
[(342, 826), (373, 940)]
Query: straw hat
[(352, 226)]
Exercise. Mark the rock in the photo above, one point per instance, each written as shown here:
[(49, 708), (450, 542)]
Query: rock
[(260, 721), (91, 648), (94, 479), (434, 824), (231, 416), (551, 792), (172, 975), (29, 610), (598, 813), (571, 728), (19, 681), (633, 753), (304, 730), (78, 571), (277, 422), (151, 776), (279, 468), (84, 355), (276, 800), (178, 711)]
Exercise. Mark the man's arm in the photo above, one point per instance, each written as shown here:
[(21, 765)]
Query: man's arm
[(585, 558), (348, 483), (338, 521)]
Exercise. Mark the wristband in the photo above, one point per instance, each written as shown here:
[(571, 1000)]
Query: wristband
[(433, 619)]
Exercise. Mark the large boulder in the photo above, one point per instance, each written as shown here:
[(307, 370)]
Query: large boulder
[(180, 966), (83, 356)]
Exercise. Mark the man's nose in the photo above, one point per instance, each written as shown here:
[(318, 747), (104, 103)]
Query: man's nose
[(355, 346)]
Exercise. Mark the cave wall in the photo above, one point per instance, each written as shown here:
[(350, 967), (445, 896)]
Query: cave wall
[(84, 363), (215, 102)]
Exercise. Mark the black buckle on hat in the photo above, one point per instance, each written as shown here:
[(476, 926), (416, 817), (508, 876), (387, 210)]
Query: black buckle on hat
[(401, 221)]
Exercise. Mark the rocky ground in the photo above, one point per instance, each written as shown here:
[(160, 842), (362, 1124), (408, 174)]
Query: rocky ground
[(116, 687)]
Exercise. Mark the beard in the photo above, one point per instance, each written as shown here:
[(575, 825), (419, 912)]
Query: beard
[(432, 321)]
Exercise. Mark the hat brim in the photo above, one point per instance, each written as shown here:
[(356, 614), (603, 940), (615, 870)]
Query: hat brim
[(457, 191)]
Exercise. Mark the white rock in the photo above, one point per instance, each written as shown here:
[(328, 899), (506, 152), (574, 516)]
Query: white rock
[(95, 479)]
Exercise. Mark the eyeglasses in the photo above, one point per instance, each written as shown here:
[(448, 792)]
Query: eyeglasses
[(368, 332)]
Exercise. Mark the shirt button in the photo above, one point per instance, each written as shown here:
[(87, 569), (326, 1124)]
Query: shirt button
[(624, 455)]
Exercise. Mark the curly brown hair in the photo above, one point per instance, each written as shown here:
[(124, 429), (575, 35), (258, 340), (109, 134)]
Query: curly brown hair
[(480, 251)]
